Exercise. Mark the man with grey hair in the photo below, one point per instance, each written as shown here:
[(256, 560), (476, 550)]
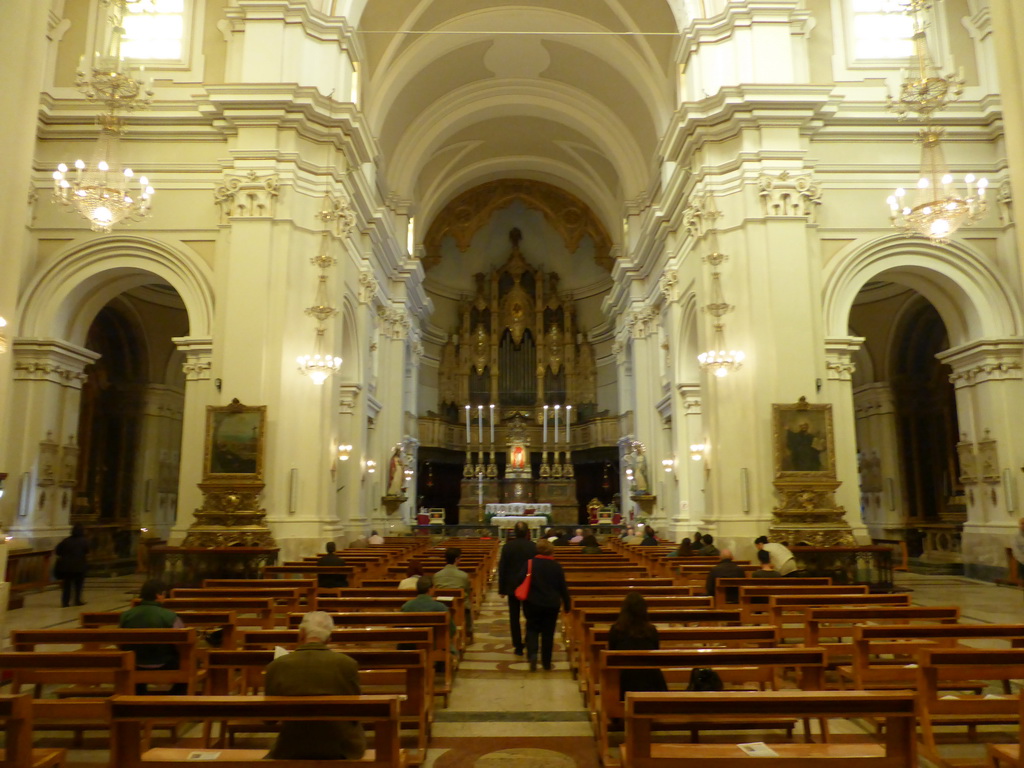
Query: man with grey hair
[(313, 669)]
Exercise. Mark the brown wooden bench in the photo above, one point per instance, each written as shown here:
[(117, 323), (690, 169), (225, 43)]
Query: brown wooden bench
[(754, 598), (308, 586), (723, 584), (761, 668), (305, 570), (832, 628), (249, 611), (453, 598), (103, 638), (789, 612), (1008, 755), (937, 668), (129, 716), (900, 555), (286, 599), (206, 623), (384, 638), (16, 722), (644, 711), (27, 571), (103, 673), (403, 673)]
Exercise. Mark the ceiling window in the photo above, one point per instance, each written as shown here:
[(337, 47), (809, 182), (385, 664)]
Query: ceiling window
[(154, 30), (880, 31)]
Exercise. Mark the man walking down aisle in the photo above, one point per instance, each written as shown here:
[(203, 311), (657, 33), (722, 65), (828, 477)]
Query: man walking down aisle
[(514, 555)]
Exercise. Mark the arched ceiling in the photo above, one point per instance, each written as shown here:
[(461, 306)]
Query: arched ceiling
[(571, 93)]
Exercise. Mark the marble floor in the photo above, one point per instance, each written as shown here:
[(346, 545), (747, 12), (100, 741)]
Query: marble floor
[(502, 715)]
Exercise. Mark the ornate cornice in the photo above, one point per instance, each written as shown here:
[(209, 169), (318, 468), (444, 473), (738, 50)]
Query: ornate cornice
[(786, 195), (669, 286), (198, 357), (983, 361), (51, 360), (368, 287), (247, 195), (571, 217), (348, 395), (873, 400), (839, 354), (394, 322), (700, 215), (643, 322)]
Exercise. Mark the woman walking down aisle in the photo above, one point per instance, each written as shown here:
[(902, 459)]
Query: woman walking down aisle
[(548, 593)]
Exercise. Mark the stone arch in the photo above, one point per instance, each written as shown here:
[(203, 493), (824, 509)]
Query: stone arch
[(63, 298), (972, 298)]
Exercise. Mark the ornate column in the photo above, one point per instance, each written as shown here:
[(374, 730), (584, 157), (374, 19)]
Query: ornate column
[(989, 389), (200, 391), (881, 482), (155, 495), (839, 365), (690, 431), (46, 398), (394, 324)]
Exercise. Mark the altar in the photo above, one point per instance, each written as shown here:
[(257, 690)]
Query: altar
[(519, 508), (536, 523)]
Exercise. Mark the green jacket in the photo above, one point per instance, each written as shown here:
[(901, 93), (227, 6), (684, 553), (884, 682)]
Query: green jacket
[(149, 614)]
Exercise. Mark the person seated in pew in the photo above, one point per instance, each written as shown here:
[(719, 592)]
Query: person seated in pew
[(577, 536), (627, 532), (313, 669), (413, 571), (149, 614), (633, 631), (331, 580), (685, 549), (783, 560), (767, 570), (590, 544), (424, 602), (375, 539), (708, 548), (726, 569), (650, 537), (698, 541), (635, 536), (453, 577)]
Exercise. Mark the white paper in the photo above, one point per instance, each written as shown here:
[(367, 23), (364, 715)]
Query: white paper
[(203, 756), (278, 653), (758, 749)]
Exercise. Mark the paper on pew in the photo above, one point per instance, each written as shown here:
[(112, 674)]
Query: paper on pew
[(279, 652), (444, 599), (949, 696), (758, 749), (203, 756), (993, 696)]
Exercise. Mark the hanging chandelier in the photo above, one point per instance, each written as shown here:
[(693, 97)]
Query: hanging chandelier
[(319, 366), (719, 360), (104, 192), (939, 206)]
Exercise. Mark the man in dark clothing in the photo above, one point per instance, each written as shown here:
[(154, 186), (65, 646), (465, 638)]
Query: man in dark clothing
[(331, 580), (313, 669), (149, 614), (726, 569), (708, 549), (514, 556)]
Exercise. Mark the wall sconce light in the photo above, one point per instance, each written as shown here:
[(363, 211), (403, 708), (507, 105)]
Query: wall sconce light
[(3, 339), (371, 466), (344, 451), (697, 451), (668, 464), (3, 476)]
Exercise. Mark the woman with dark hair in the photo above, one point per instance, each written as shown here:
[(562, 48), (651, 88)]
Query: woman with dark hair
[(590, 544), (633, 631), (650, 537), (548, 593), (72, 562), (685, 549)]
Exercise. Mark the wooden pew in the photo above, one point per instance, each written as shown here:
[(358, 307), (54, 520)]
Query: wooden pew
[(754, 598), (438, 622), (383, 638), (286, 599), (789, 612), (249, 611), (884, 656), (832, 628), (308, 586), (404, 673), (183, 640), (721, 585), (1008, 755), (353, 573), (106, 673), (130, 714), (760, 667), (642, 749), (205, 623), (937, 668), (16, 722), (453, 598)]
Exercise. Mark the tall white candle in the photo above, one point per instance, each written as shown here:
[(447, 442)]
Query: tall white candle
[(492, 423), (545, 425), (468, 438), (568, 421), (480, 423), (557, 409)]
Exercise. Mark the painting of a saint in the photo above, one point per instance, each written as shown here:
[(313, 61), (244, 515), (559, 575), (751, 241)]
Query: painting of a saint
[(803, 438)]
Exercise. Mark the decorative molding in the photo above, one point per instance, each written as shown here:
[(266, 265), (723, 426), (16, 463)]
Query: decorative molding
[(416, 350), (839, 354), (619, 350), (57, 362), (643, 322), (340, 212), (873, 400), (348, 395), (394, 322), (1004, 196), (700, 215), (198, 357), (788, 195), (983, 361), (692, 402), (567, 214), (247, 196), (368, 287), (669, 286)]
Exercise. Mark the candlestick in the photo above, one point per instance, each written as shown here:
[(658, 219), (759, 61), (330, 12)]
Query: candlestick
[(557, 409), (468, 435), (568, 421), (492, 423), (480, 423), (545, 425)]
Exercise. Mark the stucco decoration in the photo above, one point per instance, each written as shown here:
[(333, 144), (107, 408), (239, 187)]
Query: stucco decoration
[(471, 210)]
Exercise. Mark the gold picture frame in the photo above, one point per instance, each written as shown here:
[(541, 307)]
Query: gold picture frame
[(235, 436), (803, 440)]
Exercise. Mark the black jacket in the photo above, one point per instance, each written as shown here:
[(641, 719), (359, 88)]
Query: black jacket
[(72, 557), (331, 580), (547, 584), (726, 569), (514, 556)]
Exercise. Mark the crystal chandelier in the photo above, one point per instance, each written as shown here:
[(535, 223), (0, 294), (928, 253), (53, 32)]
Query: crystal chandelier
[(719, 360), (103, 192), (318, 366), (939, 206)]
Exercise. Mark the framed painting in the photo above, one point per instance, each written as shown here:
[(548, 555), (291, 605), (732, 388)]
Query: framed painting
[(234, 442), (804, 445)]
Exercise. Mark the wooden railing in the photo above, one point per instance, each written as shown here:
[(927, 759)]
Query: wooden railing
[(28, 571)]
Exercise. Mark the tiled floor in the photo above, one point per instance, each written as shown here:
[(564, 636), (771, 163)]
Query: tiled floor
[(500, 714)]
